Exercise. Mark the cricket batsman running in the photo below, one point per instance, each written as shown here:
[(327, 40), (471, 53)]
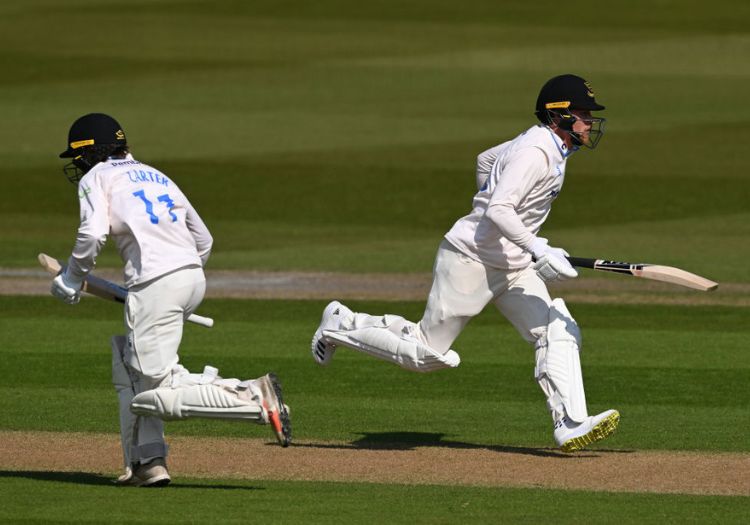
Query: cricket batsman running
[(164, 245), (495, 254)]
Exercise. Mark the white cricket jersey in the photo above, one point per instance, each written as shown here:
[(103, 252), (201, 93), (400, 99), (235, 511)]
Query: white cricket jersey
[(154, 226), (517, 182)]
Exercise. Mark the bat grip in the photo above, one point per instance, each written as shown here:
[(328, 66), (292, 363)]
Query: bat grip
[(581, 262)]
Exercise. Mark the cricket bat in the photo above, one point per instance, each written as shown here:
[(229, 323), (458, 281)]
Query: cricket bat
[(106, 289), (655, 272)]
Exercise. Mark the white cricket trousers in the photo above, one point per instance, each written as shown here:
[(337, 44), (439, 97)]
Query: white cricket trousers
[(154, 315), (462, 287)]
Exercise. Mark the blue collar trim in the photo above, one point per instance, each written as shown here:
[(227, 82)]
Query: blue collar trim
[(565, 152)]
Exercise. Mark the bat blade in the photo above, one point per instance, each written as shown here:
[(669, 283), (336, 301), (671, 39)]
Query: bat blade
[(654, 272), (106, 289), (669, 274), (50, 264)]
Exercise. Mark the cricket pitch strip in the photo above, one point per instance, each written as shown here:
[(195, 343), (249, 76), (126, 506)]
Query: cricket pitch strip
[(434, 463)]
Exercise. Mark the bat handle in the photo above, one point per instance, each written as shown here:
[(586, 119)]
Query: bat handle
[(581, 262), (200, 320)]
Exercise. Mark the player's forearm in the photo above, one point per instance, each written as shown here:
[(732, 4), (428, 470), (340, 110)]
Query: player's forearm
[(204, 255), (504, 216), (83, 258), (202, 237), (518, 177), (203, 243)]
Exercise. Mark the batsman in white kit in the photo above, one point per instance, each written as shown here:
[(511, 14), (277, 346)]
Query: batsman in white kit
[(164, 245), (494, 254)]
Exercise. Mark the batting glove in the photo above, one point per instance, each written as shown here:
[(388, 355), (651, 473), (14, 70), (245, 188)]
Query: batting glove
[(550, 268), (551, 263), (66, 289)]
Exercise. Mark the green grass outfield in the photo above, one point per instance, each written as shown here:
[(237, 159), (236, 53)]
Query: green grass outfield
[(75, 498), (341, 136), (335, 135)]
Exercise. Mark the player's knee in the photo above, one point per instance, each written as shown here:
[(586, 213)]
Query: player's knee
[(150, 381), (562, 326)]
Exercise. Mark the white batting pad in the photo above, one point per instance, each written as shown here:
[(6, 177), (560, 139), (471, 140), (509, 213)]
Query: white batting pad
[(142, 439), (125, 391), (558, 366), (201, 400), (405, 351)]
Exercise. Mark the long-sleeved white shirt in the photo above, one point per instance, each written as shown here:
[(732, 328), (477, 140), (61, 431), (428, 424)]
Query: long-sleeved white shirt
[(154, 226), (517, 182)]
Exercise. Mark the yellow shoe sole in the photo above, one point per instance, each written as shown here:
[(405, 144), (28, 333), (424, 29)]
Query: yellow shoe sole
[(601, 430)]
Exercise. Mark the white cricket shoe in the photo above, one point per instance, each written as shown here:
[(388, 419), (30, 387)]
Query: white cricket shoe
[(152, 474), (571, 436), (333, 315)]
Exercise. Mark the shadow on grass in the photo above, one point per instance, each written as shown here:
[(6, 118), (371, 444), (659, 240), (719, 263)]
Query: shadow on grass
[(412, 440), (87, 478)]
